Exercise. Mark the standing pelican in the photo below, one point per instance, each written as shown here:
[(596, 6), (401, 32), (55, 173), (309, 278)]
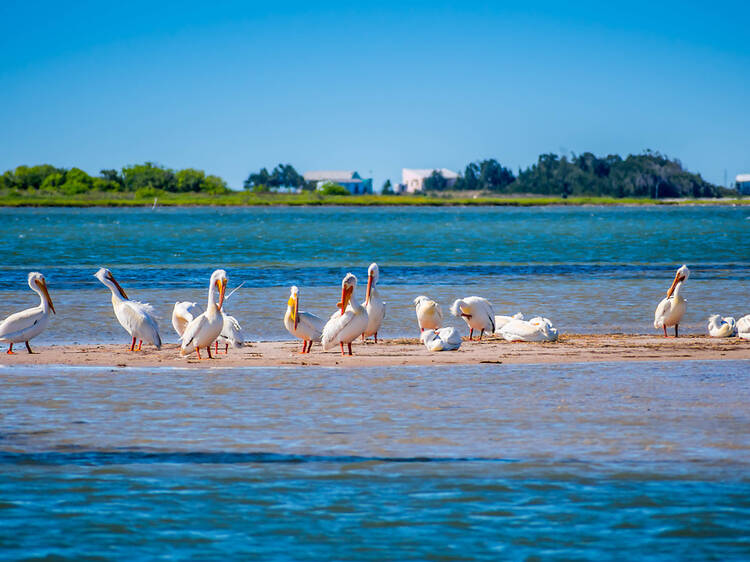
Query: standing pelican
[(27, 324), (743, 327), (719, 327), (374, 306), (477, 313), (346, 324), (429, 314), (671, 309), (205, 328), (136, 317), (302, 325)]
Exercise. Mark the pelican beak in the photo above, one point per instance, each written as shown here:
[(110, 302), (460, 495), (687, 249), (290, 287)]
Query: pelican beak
[(43, 287), (464, 313), (221, 284), (677, 279), (294, 303), (122, 291), (346, 295), (369, 290)]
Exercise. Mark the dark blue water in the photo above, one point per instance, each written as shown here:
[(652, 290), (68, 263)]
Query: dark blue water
[(646, 461), (588, 269)]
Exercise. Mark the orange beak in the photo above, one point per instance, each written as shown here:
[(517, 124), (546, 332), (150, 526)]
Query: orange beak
[(43, 286), (296, 313), (221, 284), (369, 290), (677, 279), (346, 295), (122, 291)]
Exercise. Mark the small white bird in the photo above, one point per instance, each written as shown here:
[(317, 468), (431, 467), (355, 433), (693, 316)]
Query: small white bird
[(136, 317), (743, 327), (670, 310), (302, 325), (719, 327), (182, 314), (443, 339), (429, 313), (501, 321), (478, 314), (374, 306), (537, 329), (347, 323), (205, 328), (27, 324)]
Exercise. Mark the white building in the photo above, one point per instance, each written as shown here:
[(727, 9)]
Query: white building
[(349, 179), (742, 182), (412, 180)]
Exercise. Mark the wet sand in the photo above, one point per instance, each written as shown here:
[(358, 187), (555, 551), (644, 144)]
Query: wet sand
[(569, 349)]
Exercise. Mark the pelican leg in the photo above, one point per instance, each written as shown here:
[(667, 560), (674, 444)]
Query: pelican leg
[(349, 345), (208, 349), (216, 344), (675, 331), (481, 334), (665, 331), (471, 333), (363, 337), (140, 342), (226, 349), (304, 346), (376, 337), (28, 347), (309, 346), (10, 350), (132, 345), (342, 348)]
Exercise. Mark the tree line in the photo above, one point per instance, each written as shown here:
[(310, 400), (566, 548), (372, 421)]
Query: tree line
[(144, 179), (649, 174)]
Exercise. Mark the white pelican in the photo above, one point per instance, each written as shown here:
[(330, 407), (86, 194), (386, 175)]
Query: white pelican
[(429, 313), (535, 330), (27, 324), (302, 325), (477, 313), (182, 314), (719, 327), (374, 306), (671, 309), (231, 333), (743, 327), (443, 339), (205, 328), (136, 317), (501, 321), (346, 324)]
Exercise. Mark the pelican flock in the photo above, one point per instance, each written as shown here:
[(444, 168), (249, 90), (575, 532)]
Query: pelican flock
[(198, 329), (136, 317), (671, 309), (25, 325)]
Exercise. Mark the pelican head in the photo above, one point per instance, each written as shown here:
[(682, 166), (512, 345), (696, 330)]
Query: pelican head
[(420, 299), (347, 288), (373, 273), (293, 302), (105, 276), (219, 281), (682, 274), (38, 284), (460, 308)]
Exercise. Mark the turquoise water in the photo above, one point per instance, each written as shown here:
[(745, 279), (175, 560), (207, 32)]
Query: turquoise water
[(588, 269), (606, 461)]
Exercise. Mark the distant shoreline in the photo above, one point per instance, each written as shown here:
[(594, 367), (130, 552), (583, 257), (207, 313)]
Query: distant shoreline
[(242, 199)]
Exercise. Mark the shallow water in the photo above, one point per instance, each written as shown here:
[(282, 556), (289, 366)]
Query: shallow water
[(609, 461), (588, 269)]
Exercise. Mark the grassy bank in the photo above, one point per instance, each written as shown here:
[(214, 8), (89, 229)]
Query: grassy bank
[(110, 199)]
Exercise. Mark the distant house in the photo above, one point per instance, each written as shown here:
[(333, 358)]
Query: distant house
[(412, 180), (742, 182), (348, 179)]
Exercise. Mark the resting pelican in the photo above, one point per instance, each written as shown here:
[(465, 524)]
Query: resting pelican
[(205, 328), (671, 309), (182, 314), (302, 325), (743, 327), (346, 324), (477, 313), (374, 306), (535, 330), (719, 327), (27, 324), (136, 317), (501, 321), (231, 333), (443, 339), (429, 314)]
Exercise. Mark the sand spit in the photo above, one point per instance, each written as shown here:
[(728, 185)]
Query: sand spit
[(569, 349)]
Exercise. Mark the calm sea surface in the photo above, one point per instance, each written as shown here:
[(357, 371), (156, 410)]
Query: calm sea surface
[(646, 461), (588, 269)]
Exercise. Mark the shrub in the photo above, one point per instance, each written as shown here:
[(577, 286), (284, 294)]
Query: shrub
[(330, 188)]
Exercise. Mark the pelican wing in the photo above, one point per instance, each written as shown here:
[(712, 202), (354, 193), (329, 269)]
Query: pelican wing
[(16, 325), (231, 331), (662, 311), (191, 330), (743, 327), (310, 326), (136, 317), (182, 314)]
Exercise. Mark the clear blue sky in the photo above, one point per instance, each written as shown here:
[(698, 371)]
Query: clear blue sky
[(230, 87)]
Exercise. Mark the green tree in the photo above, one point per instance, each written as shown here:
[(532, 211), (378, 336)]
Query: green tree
[(149, 175), (330, 188), (435, 182), (76, 181), (387, 188)]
